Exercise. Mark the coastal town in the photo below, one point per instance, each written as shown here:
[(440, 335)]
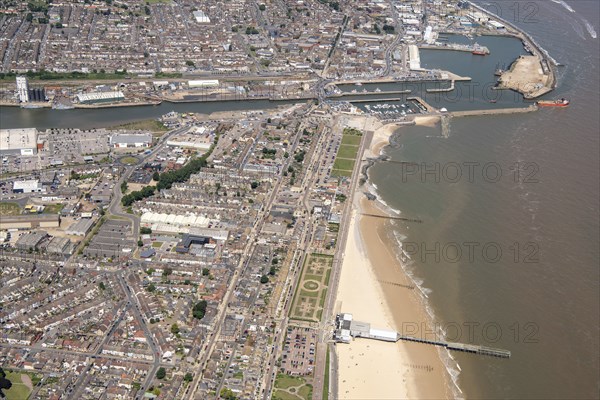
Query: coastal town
[(212, 255)]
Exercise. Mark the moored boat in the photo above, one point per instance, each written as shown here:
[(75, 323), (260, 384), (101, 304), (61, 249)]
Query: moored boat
[(553, 103)]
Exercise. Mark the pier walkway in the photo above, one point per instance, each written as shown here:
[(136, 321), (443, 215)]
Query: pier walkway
[(346, 328)]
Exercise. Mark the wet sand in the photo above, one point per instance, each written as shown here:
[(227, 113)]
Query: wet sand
[(370, 369)]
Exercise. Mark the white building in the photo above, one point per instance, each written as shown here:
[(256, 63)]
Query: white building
[(18, 141), (131, 140), (100, 97), (23, 89), (205, 83), (28, 186), (201, 18)]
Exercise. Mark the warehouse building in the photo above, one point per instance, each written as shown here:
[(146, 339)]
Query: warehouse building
[(28, 186), (81, 227), (130, 140), (100, 97), (31, 240), (18, 141), (29, 221), (197, 137), (204, 83)]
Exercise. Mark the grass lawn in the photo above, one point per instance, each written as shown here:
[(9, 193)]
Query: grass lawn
[(129, 160), (285, 381), (10, 209), (339, 172), (18, 391), (347, 151), (151, 125), (343, 164), (305, 392), (325, 395), (157, 244), (281, 395), (53, 208), (351, 139)]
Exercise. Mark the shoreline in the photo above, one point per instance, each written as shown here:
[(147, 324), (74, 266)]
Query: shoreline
[(367, 367)]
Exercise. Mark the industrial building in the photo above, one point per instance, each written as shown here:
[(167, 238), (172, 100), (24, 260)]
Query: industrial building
[(197, 137), (100, 97), (18, 141), (61, 246), (81, 227), (31, 240), (23, 89), (204, 83), (28, 186), (29, 221), (130, 140)]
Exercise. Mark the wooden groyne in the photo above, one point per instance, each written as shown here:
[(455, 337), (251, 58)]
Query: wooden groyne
[(419, 221)]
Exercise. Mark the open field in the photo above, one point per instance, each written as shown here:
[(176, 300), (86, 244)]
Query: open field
[(346, 155), (10, 209), (353, 140), (22, 385), (347, 151), (310, 294), (53, 208), (291, 388), (151, 125), (343, 164)]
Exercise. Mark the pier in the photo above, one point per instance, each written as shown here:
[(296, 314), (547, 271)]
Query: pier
[(375, 100), (348, 328), (494, 111), (439, 90), (407, 91), (476, 49)]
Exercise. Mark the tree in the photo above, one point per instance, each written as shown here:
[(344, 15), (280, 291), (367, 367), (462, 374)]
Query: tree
[(262, 7), (199, 309), (140, 243), (145, 231), (102, 286), (254, 185), (174, 329), (227, 394), (161, 373), (188, 377), (264, 279), (205, 271), (272, 271), (167, 271), (156, 176), (151, 287)]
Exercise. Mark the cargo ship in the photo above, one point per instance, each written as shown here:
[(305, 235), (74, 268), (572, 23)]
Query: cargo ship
[(553, 103)]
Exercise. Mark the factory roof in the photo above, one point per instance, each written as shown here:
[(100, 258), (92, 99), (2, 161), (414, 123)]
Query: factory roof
[(15, 139), (131, 138), (31, 184), (96, 96)]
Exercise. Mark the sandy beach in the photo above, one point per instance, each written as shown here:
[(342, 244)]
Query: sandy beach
[(370, 369)]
